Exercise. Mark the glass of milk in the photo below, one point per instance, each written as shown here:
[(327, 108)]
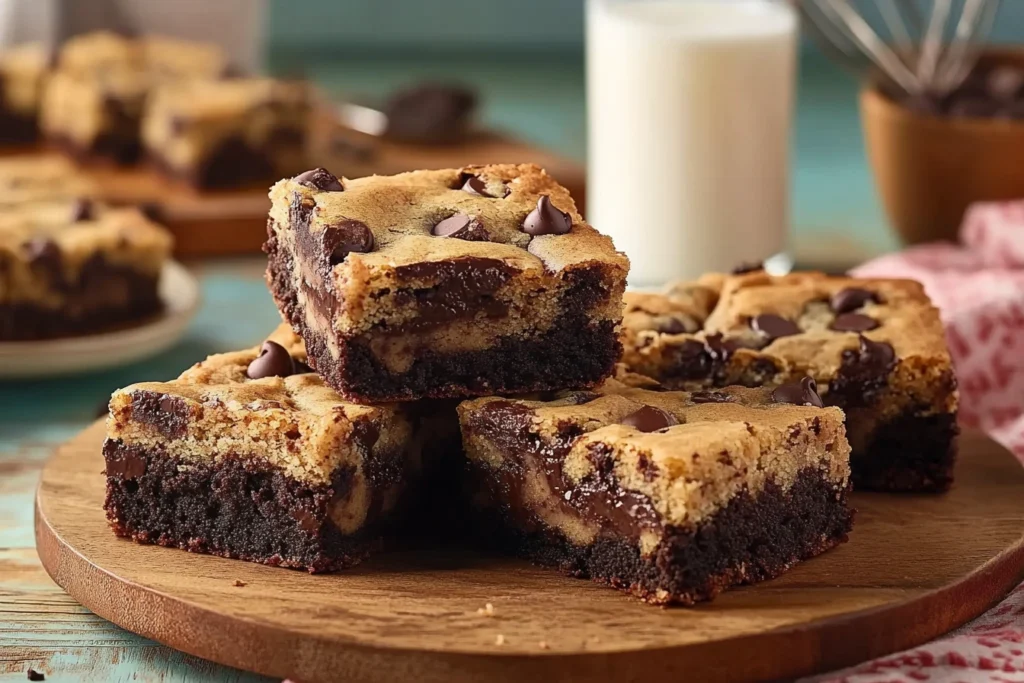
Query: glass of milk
[(689, 105)]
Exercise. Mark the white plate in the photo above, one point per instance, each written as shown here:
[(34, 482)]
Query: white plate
[(180, 293)]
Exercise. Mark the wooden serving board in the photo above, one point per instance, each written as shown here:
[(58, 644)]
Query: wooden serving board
[(915, 567)]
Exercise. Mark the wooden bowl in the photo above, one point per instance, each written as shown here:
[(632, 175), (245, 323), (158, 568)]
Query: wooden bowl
[(929, 169)]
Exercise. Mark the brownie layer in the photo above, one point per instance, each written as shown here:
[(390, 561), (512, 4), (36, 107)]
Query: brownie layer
[(754, 538), (123, 147), (237, 507), (104, 296), (17, 129), (911, 453), (575, 353)]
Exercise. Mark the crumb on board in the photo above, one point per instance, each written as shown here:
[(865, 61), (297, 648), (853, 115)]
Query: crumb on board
[(240, 584), (486, 611), (499, 639), (34, 675)]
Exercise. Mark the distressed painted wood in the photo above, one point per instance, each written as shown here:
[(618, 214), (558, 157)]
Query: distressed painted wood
[(41, 626), (916, 566)]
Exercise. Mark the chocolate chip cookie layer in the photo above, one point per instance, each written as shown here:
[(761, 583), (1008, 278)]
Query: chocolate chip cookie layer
[(875, 347), (450, 283), (249, 455), (670, 496), (228, 133), (74, 266)]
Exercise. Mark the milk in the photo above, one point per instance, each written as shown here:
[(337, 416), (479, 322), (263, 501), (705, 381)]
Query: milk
[(689, 105)]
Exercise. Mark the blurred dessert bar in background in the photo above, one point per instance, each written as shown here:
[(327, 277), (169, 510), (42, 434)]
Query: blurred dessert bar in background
[(23, 73), (74, 266), (228, 133)]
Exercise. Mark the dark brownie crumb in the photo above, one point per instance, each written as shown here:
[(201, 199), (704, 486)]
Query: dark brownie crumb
[(238, 507), (34, 675), (754, 538)]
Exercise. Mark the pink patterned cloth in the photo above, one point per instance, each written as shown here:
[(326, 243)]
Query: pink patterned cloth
[(979, 288)]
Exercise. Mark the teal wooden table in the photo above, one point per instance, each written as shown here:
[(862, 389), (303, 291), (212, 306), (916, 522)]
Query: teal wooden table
[(42, 628)]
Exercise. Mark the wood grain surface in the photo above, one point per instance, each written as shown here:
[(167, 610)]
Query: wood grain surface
[(915, 567)]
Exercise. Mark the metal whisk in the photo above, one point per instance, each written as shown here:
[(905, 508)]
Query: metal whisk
[(921, 47)]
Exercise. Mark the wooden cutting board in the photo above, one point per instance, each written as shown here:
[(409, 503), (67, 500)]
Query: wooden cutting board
[(915, 567)]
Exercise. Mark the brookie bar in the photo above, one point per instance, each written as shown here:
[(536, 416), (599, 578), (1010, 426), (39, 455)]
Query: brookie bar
[(670, 496), (447, 283), (875, 347), (248, 455)]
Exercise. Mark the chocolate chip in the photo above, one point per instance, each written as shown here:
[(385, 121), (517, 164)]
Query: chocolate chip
[(718, 348), (547, 219), (82, 210), (476, 185), (853, 322), (454, 226), (802, 393), (273, 361), (710, 397), (649, 419), (346, 237), (774, 326), (320, 179), (851, 298), (745, 268), (862, 373)]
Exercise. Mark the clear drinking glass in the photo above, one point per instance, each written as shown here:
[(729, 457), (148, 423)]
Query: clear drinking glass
[(689, 105)]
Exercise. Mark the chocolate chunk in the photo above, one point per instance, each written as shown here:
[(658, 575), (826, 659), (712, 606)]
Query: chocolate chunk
[(700, 361), (774, 326), (34, 675), (710, 397), (320, 179), (649, 419), (346, 237), (745, 268), (82, 210), (862, 373), (475, 185), (456, 226), (170, 415), (851, 298), (430, 113), (547, 219), (129, 466), (273, 361), (802, 393), (853, 322)]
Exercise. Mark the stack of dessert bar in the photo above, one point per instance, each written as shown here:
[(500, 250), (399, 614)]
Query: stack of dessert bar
[(177, 104), (711, 451), (69, 264)]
